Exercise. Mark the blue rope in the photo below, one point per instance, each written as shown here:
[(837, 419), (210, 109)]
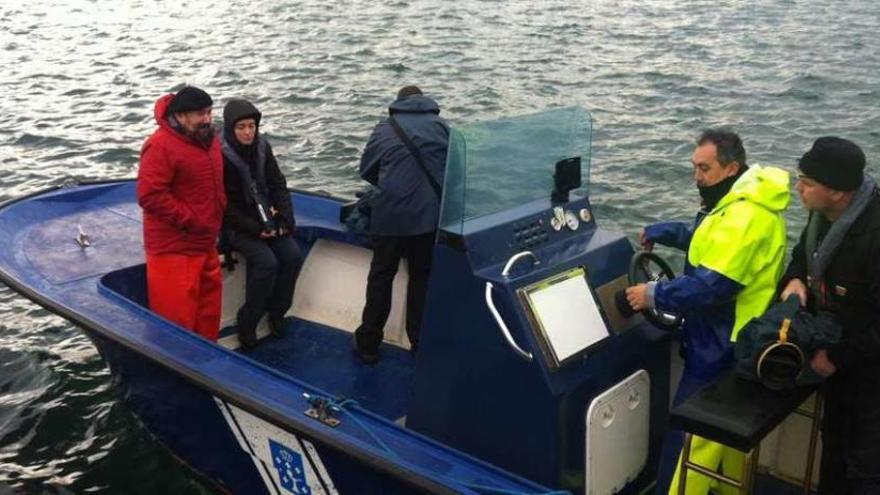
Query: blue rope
[(343, 405)]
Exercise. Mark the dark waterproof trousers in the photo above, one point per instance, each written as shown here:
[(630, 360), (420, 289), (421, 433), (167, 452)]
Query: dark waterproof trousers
[(387, 253), (272, 268), (847, 468)]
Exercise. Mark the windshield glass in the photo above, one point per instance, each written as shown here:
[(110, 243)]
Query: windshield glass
[(493, 166)]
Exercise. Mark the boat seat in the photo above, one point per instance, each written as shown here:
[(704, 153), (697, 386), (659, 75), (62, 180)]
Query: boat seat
[(332, 287), (330, 290), (739, 413)]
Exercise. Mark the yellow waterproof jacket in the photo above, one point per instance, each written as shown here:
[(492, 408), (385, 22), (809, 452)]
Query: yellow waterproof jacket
[(734, 261)]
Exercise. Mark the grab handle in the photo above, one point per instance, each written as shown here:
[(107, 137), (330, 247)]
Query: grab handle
[(516, 257), (504, 331)]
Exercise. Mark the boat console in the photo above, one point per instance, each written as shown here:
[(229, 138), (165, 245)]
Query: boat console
[(525, 360)]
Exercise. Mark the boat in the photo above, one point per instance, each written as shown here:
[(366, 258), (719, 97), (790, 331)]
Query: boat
[(528, 378)]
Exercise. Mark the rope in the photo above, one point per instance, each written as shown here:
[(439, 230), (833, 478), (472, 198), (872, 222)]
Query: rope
[(343, 405)]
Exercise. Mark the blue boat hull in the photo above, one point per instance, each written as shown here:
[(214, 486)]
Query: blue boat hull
[(230, 417), (190, 422)]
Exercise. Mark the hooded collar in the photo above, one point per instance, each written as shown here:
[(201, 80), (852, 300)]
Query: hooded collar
[(768, 187), (414, 104)]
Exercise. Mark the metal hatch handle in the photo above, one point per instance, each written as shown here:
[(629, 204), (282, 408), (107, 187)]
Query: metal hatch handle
[(500, 321), (516, 257)]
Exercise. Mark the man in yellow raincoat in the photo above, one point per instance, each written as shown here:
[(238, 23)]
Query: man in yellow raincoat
[(735, 252)]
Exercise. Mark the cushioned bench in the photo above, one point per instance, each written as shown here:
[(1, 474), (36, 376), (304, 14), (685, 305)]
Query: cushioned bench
[(739, 413)]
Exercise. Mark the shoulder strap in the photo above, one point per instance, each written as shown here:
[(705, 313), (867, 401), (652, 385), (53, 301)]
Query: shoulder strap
[(261, 165), (240, 166), (250, 185), (415, 153)]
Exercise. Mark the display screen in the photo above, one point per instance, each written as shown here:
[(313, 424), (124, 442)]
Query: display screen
[(566, 313)]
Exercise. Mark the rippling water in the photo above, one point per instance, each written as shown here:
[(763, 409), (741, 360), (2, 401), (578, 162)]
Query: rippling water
[(80, 77)]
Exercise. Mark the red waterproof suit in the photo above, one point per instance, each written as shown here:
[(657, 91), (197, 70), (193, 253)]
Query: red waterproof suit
[(180, 188)]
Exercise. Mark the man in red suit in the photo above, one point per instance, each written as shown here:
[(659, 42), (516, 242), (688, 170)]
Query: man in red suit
[(180, 188)]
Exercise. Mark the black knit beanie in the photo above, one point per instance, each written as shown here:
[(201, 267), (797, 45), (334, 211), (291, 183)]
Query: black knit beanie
[(834, 162), (190, 98)]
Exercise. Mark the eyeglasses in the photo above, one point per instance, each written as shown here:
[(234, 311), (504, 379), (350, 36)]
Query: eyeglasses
[(806, 179)]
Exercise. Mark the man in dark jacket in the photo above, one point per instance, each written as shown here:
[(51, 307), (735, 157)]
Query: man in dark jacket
[(259, 221), (835, 267), (405, 211), (180, 188)]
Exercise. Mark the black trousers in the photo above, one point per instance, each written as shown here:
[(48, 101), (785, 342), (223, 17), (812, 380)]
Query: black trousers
[(387, 253), (844, 469), (272, 268)]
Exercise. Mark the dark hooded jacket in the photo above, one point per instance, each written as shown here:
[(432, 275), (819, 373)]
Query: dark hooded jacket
[(242, 216), (405, 204), (180, 188)]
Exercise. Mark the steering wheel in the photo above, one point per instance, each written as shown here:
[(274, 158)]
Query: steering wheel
[(641, 270)]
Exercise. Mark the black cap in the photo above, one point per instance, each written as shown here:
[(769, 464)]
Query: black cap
[(834, 162), (190, 98)]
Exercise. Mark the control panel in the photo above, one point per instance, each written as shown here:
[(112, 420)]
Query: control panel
[(531, 229), (532, 232)]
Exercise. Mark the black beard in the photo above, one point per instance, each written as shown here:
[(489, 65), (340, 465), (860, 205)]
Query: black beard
[(204, 133)]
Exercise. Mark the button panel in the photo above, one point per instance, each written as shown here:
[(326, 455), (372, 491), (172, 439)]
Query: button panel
[(530, 233)]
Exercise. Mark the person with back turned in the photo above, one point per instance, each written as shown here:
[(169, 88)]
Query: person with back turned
[(836, 267), (180, 188), (405, 158), (735, 253)]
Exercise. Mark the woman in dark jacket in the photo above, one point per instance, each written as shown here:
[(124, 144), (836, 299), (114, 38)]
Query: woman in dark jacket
[(259, 221)]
